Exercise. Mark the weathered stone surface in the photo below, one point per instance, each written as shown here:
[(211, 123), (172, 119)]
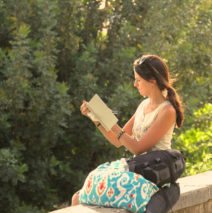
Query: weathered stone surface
[(89, 209), (196, 189), (196, 197), (200, 208)]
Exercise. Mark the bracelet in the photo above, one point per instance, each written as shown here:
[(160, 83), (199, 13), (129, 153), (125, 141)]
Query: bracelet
[(98, 124), (120, 134)]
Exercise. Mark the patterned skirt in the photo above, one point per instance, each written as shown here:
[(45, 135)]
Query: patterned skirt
[(112, 185)]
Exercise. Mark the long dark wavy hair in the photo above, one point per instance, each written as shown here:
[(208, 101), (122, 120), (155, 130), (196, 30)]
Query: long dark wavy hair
[(153, 67)]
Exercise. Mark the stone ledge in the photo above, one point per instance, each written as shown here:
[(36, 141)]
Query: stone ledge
[(90, 209), (196, 193), (195, 190)]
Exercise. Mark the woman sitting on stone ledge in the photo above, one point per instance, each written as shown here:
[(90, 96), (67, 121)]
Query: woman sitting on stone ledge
[(150, 128)]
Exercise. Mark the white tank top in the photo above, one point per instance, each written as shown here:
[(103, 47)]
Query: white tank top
[(143, 121)]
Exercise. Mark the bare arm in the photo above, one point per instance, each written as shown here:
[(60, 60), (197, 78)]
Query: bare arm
[(129, 125), (112, 138), (164, 120), (109, 135)]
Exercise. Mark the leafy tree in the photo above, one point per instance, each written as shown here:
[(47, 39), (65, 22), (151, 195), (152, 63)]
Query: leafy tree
[(34, 109), (54, 54)]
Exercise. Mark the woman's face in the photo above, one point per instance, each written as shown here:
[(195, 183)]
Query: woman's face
[(144, 87)]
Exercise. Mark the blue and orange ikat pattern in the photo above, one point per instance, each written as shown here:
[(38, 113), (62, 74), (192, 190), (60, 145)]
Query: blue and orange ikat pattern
[(111, 185)]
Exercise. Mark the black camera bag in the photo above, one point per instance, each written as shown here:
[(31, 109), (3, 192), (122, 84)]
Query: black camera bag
[(159, 166)]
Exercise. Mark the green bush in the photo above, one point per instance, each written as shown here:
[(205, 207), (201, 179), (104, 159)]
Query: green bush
[(196, 143), (11, 174)]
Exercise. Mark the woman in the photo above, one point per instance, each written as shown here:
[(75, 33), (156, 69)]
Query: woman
[(150, 128)]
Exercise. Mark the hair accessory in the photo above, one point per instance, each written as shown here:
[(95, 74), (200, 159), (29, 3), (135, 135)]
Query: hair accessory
[(120, 134), (143, 58)]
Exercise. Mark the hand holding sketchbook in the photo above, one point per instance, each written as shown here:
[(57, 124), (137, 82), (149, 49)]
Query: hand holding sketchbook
[(99, 111)]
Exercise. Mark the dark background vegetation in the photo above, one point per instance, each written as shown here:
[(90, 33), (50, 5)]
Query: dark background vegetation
[(55, 53)]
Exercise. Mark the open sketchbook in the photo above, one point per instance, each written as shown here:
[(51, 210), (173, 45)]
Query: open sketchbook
[(99, 111)]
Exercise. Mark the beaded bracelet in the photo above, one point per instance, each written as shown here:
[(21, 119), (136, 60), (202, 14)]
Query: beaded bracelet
[(120, 134)]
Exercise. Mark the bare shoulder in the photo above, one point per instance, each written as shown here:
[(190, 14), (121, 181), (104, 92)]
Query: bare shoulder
[(168, 111)]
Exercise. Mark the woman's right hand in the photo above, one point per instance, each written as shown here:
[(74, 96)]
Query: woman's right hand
[(83, 108)]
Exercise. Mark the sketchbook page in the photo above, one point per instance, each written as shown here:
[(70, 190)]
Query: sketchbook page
[(101, 112)]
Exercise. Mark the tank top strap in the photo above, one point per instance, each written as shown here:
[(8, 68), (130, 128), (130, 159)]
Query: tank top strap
[(162, 105), (155, 112)]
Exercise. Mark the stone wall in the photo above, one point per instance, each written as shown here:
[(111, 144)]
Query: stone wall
[(196, 197), (196, 194)]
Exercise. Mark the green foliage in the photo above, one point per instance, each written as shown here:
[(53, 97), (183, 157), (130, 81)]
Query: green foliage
[(54, 54), (34, 111), (11, 174), (196, 143)]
